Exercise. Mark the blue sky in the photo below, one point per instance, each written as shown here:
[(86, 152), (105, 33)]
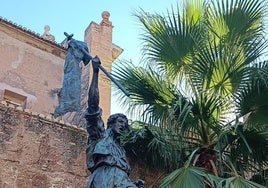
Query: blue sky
[(75, 16)]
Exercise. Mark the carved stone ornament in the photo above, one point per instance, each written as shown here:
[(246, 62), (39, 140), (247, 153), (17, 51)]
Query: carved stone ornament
[(46, 35)]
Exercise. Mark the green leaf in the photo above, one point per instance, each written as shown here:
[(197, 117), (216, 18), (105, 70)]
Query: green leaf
[(186, 177), (238, 181)]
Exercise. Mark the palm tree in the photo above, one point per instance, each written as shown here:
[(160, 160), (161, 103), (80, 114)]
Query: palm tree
[(202, 93)]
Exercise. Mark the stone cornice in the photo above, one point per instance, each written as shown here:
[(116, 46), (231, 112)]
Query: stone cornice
[(27, 36)]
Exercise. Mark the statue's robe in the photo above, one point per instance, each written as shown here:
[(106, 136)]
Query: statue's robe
[(106, 158)]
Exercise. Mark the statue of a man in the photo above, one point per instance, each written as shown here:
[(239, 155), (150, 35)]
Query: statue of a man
[(106, 158)]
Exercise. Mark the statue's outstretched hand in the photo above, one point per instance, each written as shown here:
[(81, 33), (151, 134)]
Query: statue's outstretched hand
[(95, 63)]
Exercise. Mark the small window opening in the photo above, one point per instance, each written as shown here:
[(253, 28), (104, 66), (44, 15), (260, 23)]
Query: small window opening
[(14, 98)]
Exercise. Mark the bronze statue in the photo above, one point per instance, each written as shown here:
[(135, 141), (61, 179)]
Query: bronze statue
[(106, 158)]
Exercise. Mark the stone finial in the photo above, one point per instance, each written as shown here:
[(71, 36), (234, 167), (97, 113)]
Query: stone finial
[(116, 51), (105, 19), (47, 34)]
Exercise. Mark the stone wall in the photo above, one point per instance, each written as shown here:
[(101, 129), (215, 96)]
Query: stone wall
[(30, 67), (36, 151)]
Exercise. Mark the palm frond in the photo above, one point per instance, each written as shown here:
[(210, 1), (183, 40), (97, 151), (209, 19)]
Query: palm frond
[(156, 146), (188, 177), (169, 41), (252, 100), (237, 18), (238, 181), (247, 148), (150, 92)]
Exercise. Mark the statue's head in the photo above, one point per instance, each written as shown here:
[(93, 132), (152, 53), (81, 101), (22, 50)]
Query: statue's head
[(118, 123)]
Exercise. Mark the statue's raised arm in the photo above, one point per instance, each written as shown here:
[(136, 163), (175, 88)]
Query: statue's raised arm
[(94, 123)]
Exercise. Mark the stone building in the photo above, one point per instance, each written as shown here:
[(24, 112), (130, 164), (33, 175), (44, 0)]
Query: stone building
[(31, 70)]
